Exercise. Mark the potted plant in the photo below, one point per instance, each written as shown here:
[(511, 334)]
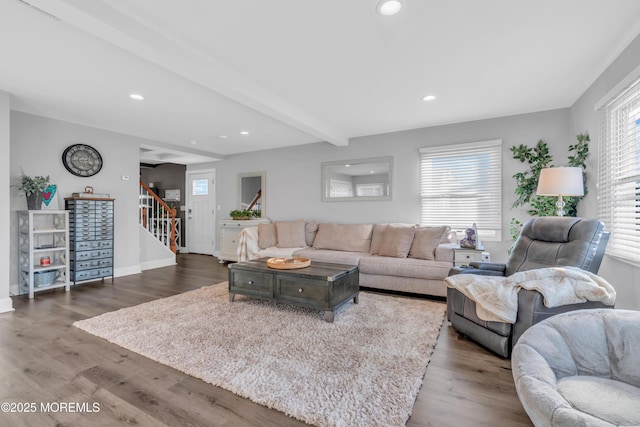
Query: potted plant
[(33, 188), (244, 214)]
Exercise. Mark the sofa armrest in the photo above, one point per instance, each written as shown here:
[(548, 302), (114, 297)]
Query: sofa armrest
[(444, 252)]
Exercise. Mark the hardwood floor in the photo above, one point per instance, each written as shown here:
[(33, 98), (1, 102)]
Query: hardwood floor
[(45, 360)]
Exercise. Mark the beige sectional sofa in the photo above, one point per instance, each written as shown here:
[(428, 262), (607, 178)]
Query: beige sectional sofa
[(398, 257)]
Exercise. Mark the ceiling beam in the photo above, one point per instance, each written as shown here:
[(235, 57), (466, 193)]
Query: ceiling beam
[(166, 50)]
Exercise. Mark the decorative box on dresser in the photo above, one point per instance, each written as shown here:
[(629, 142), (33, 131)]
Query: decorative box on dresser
[(229, 234), (43, 250), (90, 237)]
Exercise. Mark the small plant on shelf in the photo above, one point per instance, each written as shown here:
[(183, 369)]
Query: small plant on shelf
[(244, 214), (33, 185), (33, 188)]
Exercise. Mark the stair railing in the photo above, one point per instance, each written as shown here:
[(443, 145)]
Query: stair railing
[(256, 203), (157, 217)]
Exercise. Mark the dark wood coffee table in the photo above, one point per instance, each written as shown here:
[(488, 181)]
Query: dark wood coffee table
[(320, 286)]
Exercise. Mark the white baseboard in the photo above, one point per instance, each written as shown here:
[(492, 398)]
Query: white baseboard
[(127, 271), (6, 305), (157, 263), (14, 289)]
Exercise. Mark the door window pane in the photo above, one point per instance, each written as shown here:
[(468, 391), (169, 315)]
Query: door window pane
[(200, 187)]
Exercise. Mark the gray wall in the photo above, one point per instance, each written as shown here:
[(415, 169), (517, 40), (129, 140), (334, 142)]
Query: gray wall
[(623, 276), (293, 187), (37, 144)]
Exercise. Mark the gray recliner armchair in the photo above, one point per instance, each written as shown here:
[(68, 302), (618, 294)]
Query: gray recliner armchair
[(543, 242)]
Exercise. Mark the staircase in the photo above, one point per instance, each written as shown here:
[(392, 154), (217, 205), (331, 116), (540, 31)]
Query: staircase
[(157, 217)]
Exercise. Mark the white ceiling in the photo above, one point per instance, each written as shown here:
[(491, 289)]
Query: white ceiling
[(296, 72)]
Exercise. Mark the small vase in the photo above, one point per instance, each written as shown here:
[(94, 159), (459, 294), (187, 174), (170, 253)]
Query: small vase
[(34, 201)]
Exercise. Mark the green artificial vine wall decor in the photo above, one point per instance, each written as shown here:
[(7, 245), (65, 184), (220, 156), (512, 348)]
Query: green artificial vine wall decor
[(538, 158)]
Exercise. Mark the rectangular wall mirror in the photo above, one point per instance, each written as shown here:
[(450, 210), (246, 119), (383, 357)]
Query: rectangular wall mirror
[(359, 179), (252, 192)]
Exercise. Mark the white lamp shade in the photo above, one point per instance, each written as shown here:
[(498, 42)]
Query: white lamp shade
[(560, 182)]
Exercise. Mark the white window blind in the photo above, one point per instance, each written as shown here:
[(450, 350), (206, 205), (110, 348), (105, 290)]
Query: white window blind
[(338, 188), (619, 173), (461, 185)]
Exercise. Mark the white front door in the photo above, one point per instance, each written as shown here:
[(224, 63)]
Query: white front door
[(201, 214)]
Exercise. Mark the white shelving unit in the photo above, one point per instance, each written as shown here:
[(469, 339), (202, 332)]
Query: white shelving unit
[(43, 234)]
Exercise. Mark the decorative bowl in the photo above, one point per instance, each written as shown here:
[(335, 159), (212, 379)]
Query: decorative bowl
[(288, 263)]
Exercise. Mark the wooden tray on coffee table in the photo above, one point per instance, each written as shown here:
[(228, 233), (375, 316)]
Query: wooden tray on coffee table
[(289, 263)]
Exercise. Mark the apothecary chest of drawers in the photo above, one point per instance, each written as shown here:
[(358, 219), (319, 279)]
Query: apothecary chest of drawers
[(90, 238)]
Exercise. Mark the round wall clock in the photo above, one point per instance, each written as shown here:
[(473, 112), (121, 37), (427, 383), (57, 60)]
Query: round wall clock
[(82, 160)]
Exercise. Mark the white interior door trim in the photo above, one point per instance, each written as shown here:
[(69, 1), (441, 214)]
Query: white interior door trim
[(188, 204)]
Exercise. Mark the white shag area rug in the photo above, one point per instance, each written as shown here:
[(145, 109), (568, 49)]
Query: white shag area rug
[(365, 369)]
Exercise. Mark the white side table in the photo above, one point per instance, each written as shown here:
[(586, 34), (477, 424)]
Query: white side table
[(464, 256)]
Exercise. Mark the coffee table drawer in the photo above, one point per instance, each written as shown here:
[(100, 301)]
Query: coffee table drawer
[(251, 283), (302, 291)]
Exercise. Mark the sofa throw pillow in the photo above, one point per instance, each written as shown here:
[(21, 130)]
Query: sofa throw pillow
[(344, 237), (376, 237), (267, 236), (378, 233), (446, 236), (290, 234), (396, 241), (426, 240), (310, 230)]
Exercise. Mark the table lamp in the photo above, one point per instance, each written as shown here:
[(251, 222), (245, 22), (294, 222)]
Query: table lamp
[(563, 181)]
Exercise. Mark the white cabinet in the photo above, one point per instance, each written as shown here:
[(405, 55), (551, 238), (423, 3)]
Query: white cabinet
[(43, 250), (230, 234), (463, 256)]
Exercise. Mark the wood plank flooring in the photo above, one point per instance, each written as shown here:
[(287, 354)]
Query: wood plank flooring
[(43, 359)]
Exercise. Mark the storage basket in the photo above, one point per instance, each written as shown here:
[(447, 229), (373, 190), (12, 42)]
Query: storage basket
[(44, 278)]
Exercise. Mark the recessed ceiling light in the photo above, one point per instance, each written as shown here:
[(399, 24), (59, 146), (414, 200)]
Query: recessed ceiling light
[(347, 165), (136, 96), (389, 7), (244, 132), (223, 136), (428, 98)]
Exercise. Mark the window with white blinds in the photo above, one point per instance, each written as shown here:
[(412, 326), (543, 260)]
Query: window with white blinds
[(462, 184), (619, 173)]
